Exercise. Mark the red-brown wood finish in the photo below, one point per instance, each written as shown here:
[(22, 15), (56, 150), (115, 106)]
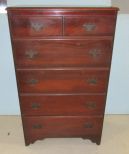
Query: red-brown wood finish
[(56, 11), (61, 126), (89, 25), (36, 26), (92, 52), (62, 59), (62, 81), (62, 105)]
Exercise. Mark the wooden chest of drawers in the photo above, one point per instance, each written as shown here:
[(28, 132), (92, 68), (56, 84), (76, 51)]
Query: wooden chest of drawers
[(62, 60)]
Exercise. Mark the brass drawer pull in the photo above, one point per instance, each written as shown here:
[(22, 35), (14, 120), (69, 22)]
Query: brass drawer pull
[(92, 81), (35, 106), (32, 81), (89, 26), (37, 126), (37, 26), (95, 53), (31, 54), (90, 105), (88, 125)]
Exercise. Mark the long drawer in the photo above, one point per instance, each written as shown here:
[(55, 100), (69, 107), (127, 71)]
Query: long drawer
[(62, 81), (90, 25), (62, 104), (61, 126), (92, 52), (35, 26)]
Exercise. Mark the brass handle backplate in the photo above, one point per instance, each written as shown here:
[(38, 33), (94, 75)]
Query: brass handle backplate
[(32, 81), (90, 105), (31, 54), (35, 106), (37, 26), (37, 126), (89, 26), (88, 125), (95, 53), (92, 81)]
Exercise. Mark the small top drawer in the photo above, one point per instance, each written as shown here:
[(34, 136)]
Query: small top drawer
[(89, 25), (35, 26)]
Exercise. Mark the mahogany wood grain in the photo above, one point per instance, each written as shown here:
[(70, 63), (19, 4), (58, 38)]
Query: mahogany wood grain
[(61, 126), (56, 11), (63, 53), (89, 25), (62, 58), (62, 81), (35, 26), (62, 104)]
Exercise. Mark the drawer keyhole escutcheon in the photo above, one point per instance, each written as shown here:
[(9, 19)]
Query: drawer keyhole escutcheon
[(95, 53), (31, 54), (89, 27), (32, 81), (90, 105), (37, 126), (35, 106), (88, 125), (37, 26)]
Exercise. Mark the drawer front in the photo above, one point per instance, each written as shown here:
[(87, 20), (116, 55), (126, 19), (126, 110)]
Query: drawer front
[(62, 104), (89, 25), (62, 81), (62, 53), (61, 126), (35, 26)]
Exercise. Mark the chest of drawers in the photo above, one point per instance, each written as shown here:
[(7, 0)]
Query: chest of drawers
[(62, 60)]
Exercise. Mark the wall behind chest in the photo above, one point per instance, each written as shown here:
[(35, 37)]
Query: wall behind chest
[(60, 2)]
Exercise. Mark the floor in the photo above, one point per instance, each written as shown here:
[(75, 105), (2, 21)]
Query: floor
[(115, 139)]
